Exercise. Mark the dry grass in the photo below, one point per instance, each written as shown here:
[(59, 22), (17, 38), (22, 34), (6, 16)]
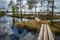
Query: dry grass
[(30, 25), (34, 25), (55, 28)]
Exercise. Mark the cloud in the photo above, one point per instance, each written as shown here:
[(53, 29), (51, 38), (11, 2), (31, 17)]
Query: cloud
[(57, 4), (4, 3)]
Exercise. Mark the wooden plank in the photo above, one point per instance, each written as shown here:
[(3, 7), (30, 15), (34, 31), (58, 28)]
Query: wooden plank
[(50, 33), (45, 32), (41, 33)]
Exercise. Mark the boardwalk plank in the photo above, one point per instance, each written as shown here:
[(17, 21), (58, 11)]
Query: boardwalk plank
[(41, 33), (50, 33), (45, 33)]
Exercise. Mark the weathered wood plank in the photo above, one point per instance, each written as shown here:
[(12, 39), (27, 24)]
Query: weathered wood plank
[(50, 33), (45, 33), (41, 33)]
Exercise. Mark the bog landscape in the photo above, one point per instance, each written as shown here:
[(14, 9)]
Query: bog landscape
[(29, 20)]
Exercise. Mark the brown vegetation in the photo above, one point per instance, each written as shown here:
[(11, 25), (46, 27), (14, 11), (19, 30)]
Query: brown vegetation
[(2, 13), (30, 25)]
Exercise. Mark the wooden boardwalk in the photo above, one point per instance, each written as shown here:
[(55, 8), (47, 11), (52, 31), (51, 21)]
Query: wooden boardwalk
[(45, 33)]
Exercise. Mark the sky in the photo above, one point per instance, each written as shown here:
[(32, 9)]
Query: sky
[(57, 3), (4, 3)]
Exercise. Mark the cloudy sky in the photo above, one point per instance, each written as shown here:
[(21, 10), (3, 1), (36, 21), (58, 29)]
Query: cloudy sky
[(4, 3), (57, 3)]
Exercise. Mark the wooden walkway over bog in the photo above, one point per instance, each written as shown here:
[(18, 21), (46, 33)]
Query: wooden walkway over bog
[(45, 33)]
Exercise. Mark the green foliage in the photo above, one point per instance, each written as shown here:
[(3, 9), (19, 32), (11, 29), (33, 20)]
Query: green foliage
[(29, 1), (30, 6), (14, 8)]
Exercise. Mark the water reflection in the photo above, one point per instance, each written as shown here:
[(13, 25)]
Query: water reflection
[(6, 24)]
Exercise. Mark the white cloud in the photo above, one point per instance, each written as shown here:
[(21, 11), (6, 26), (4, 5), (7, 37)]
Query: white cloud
[(57, 3), (10, 0)]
